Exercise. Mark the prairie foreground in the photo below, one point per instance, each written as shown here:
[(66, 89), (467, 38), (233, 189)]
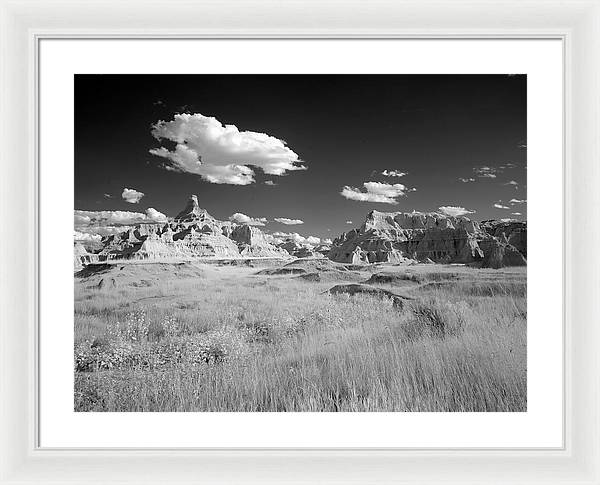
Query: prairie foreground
[(202, 337)]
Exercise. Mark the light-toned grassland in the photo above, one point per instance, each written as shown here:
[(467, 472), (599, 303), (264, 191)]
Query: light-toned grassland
[(194, 337)]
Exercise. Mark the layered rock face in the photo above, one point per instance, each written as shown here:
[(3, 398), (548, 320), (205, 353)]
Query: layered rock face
[(397, 236), (193, 212), (193, 233), (515, 233), (253, 244), (298, 250), (81, 256)]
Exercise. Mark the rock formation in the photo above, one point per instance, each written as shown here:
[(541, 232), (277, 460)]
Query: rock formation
[(396, 237), (384, 237), (298, 250), (81, 256), (515, 232), (355, 289), (193, 212), (193, 233), (253, 244)]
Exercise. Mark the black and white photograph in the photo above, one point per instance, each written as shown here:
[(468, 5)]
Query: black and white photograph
[(300, 243)]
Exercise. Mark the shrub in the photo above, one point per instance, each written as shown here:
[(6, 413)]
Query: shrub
[(127, 346), (431, 317)]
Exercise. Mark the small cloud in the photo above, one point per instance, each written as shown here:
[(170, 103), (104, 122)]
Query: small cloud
[(105, 230), (522, 145), (454, 211), (393, 173), (158, 102), (288, 222), (349, 222), (281, 237), (132, 196), (154, 215), (269, 182), (517, 201), (500, 206), (466, 180), (376, 192), (108, 196), (486, 172), (83, 219), (514, 183), (240, 218), (516, 214), (83, 236)]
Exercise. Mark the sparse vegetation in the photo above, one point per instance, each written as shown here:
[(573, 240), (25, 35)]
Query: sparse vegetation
[(204, 338)]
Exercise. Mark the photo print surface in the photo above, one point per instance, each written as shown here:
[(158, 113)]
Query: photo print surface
[(300, 243)]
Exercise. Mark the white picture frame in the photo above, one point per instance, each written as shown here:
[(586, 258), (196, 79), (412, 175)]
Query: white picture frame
[(24, 23)]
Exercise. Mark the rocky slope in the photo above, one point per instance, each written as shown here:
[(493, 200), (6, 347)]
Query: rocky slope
[(398, 236), (193, 233), (384, 237)]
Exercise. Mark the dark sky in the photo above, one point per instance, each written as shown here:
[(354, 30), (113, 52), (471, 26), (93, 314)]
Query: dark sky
[(345, 128)]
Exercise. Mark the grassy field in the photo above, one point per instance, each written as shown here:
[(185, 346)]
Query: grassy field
[(193, 337)]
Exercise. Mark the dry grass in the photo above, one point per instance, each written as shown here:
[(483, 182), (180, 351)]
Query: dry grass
[(228, 340)]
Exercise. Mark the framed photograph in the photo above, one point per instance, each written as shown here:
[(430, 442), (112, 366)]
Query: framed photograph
[(280, 243)]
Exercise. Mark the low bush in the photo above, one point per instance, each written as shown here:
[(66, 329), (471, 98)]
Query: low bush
[(130, 345), (432, 317)]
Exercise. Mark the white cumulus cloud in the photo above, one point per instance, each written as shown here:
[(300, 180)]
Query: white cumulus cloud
[(486, 172), (289, 222), (500, 206), (393, 173), (154, 215), (455, 211), (84, 218), (240, 218), (103, 230), (222, 154), (466, 180), (349, 222), (516, 214), (132, 196), (376, 192), (517, 201), (281, 237), (83, 236)]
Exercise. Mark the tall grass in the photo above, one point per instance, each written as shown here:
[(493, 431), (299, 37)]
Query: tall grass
[(278, 344)]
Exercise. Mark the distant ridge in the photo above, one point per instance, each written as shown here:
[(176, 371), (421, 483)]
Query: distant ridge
[(401, 236)]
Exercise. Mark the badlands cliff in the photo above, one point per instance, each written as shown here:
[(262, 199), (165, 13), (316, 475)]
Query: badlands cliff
[(193, 233), (432, 237), (394, 237)]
